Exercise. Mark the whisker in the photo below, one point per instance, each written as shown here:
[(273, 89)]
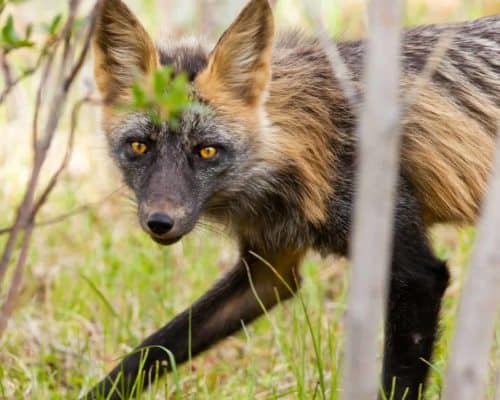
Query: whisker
[(211, 228)]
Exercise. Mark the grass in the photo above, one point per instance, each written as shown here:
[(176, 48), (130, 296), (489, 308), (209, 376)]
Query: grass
[(95, 285), (94, 288)]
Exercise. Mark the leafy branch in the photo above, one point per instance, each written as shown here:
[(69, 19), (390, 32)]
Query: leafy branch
[(164, 96), (61, 52), (11, 40)]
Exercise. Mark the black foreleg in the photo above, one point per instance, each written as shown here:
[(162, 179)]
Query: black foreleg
[(418, 281), (217, 314)]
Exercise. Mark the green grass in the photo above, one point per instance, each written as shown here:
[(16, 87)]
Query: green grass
[(96, 285)]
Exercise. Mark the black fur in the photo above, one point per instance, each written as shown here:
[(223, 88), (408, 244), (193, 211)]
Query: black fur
[(185, 59)]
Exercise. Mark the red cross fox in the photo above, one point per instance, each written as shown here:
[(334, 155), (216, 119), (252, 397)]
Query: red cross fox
[(272, 156)]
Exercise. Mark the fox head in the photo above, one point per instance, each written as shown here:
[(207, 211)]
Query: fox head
[(213, 154)]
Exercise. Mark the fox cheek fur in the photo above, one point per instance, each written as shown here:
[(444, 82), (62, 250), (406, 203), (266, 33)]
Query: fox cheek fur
[(284, 179)]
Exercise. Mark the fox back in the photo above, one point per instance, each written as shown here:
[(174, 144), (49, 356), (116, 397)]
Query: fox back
[(283, 130)]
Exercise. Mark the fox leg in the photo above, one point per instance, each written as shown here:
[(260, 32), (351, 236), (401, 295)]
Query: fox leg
[(418, 281), (237, 298)]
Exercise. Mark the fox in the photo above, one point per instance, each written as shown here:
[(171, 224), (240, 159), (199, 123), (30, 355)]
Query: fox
[(272, 157)]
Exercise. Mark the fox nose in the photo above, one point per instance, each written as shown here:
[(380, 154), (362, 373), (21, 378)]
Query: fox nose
[(160, 223)]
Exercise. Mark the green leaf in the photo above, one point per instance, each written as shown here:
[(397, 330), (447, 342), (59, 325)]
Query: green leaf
[(163, 97), (161, 80), (52, 27), (10, 39), (140, 99), (9, 34)]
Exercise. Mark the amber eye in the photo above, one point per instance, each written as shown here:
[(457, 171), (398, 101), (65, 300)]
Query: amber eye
[(138, 147), (208, 152)]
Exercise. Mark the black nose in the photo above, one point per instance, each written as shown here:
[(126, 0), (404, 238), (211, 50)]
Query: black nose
[(160, 224)]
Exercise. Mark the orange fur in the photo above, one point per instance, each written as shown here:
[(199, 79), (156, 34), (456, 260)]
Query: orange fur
[(123, 52), (448, 155)]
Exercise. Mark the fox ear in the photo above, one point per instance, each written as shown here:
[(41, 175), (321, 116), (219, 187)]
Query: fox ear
[(240, 64), (123, 50)]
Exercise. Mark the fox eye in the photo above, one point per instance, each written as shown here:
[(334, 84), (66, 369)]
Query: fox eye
[(208, 152), (139, 147)]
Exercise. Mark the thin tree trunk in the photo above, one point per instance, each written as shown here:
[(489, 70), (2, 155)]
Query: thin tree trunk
[(468, 367), (379, 134)]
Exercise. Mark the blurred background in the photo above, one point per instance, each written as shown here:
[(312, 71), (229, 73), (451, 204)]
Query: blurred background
[(95, 284)]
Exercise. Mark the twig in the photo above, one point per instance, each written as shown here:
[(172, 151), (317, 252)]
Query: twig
[(7, 71), (340, 69), (8, 305), (38, 99), (22, 218), (13, 82), (26, 212), (63, 217), (69, 149), (83, 53), (23, 213), (67, 35), (432, 65), (379, 133)]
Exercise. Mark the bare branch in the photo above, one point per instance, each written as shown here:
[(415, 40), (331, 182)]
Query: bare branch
[(379, 134), (23, 212), (432, 65), (22, 218), (13, 82), (69, 149), (28, 208), (65, 216), (8, 305), (468, 366), (340, 69), (38, 99), (83, 53), (7, 73)]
